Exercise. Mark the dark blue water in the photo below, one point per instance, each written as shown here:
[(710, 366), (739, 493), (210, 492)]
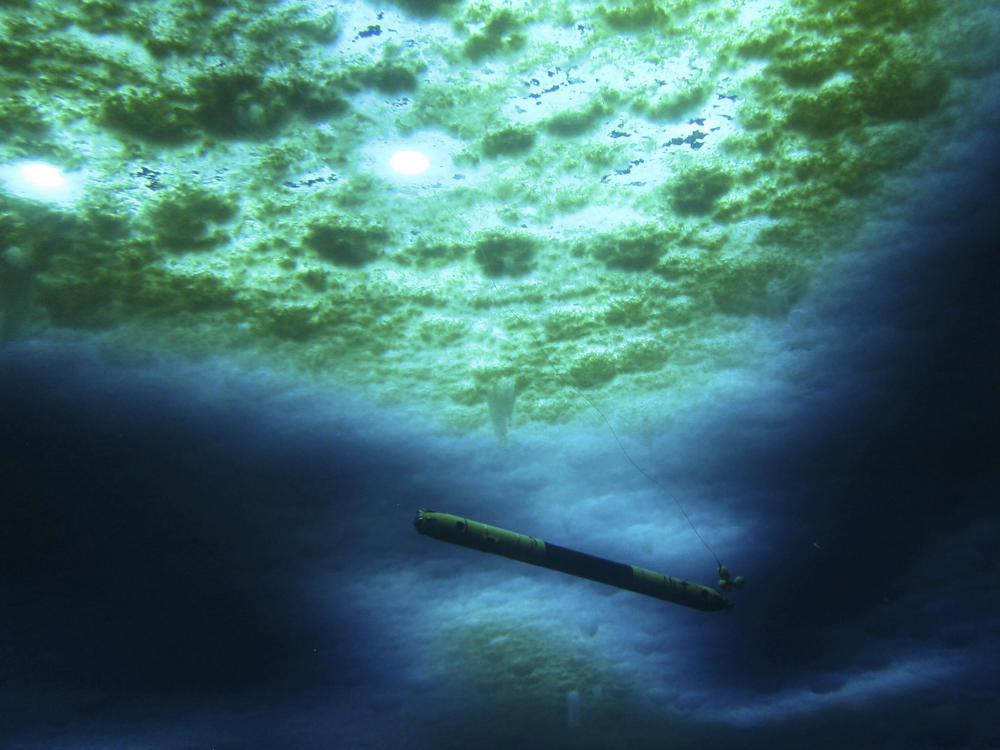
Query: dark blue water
[(166, 542)]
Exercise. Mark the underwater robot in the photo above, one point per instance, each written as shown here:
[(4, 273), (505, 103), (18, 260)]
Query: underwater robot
[(480, 536)]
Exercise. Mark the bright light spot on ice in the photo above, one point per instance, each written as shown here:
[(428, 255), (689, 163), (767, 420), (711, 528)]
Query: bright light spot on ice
[(43, 176), (39, 180), (409, 162)]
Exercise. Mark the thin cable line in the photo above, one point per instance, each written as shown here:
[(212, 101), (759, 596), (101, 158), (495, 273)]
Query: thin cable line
[(649, 477)]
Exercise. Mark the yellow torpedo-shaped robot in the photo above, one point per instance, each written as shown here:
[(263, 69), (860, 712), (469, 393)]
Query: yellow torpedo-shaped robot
[(485, 538)]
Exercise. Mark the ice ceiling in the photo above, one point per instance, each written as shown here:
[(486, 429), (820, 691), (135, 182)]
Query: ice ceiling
[(619, 197)]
